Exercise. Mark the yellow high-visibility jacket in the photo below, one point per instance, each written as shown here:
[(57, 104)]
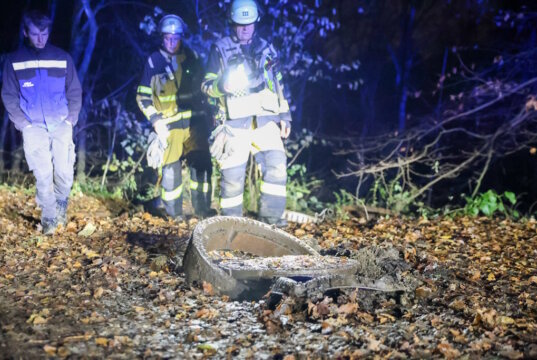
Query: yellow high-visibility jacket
[(170, 87)]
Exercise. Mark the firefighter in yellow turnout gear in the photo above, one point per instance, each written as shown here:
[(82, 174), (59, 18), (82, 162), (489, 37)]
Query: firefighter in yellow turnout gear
[(169, 96), (254, 116)]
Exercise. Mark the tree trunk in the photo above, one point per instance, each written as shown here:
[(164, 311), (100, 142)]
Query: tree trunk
[(3, 138), (406, 62), (83, 33), (438, 111), (92, 39), (53, 6), (17, 153)]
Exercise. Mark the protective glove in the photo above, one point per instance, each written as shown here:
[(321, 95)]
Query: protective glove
[(155, 151), (285, 124), (161, 129), (285, 129), (222, 146)]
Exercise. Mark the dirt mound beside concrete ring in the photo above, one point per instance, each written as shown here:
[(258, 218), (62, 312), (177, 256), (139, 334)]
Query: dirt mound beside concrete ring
[(242, 257)]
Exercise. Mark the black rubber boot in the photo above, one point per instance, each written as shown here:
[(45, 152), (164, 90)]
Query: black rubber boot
[(49, 226), (278, 222), (61, 212), (155, 207), (205, 213)]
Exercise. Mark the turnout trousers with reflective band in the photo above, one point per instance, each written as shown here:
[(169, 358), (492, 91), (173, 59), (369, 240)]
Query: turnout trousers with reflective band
[(50, 156), (198, 160), (267, 145)]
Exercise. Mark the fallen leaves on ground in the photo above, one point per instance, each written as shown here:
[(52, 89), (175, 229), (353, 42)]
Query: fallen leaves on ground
[(105, 286)]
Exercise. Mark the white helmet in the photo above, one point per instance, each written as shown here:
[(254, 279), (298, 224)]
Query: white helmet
[(171, 24), (244, 12)]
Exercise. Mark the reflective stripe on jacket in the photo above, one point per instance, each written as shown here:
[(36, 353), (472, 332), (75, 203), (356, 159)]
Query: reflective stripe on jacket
[(41, 87), (169, 88), (260, 55)]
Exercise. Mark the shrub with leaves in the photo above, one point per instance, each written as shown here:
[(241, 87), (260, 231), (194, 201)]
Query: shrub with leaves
[(391, 194), (127, 143), (490, 202), (301, 189), (344, 199)]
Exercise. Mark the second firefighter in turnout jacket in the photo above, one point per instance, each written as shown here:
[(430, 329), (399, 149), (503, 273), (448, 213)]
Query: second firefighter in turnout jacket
[(253, 114), (170, 98)]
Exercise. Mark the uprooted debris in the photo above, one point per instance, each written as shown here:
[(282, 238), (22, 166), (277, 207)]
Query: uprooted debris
[(382, 277)]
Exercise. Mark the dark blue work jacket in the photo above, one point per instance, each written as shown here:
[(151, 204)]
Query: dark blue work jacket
[(40, 87)]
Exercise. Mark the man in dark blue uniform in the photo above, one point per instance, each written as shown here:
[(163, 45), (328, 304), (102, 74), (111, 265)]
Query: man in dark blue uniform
[(42, 95)]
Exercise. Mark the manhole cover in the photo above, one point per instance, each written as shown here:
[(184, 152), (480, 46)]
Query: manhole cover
[(242, 258)]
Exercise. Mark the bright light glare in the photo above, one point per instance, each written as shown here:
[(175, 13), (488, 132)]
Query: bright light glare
[(238, 80)]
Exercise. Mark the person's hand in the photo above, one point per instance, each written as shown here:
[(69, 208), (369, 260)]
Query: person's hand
[(155, 151), (221, 147), (162, 131), (285, 129)]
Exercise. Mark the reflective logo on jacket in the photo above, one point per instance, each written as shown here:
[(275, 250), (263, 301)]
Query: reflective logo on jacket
[(41, 76)]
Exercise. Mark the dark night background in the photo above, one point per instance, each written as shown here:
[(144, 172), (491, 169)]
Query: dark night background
[(374, 81)]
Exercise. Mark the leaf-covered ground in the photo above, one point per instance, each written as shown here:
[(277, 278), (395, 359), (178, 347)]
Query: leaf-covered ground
[(110, 285)]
